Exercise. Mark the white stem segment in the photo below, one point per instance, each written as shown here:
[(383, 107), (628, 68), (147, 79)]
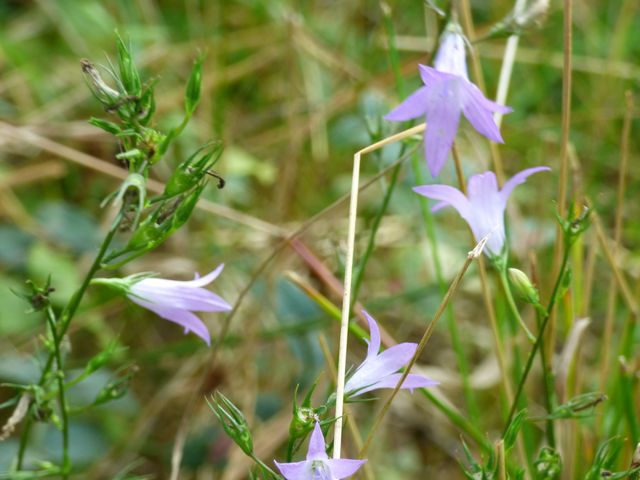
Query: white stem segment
[(346, 306), (348, 273), (507, 65)]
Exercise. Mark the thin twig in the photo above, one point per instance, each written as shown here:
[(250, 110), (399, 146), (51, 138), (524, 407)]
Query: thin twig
[(472, 255)]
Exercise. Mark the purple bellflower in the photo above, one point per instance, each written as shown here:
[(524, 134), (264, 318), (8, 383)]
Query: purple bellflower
[(318, 465), (176, 301), (379, 369), (484, 206), (447, 92)]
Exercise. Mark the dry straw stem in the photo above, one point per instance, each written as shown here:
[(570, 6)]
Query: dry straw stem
[(617, 234), (502, 461), (353, 428), (111, 170), (346, 301), (507, 65), (472, 255), (564, 163), (625, 290)]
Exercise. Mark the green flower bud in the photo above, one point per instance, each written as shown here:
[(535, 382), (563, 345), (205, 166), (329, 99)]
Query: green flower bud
[(102, 358), (192, 93), (148, 234), (548, 465), (523, 286), (186, 206), (105, 125), (116, 388), (38, 297), (233, 421), (190, 172), (128, 72)]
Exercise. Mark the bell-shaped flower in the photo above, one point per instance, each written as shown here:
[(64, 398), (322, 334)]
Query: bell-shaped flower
[(177, 300), (447, 93), (484, 205), (318, 465), (379, 369)]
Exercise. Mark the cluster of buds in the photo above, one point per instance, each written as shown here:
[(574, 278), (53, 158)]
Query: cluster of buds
[(172, 208), (37, 297)]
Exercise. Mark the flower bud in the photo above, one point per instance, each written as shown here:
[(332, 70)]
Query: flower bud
[(103, 92), (38, 297), (128, 72), (190, 172), (523, 286), (186, 206), (115, 389), (192, 93), (233, 421), (548, 464), (105, 125), (102, 358)]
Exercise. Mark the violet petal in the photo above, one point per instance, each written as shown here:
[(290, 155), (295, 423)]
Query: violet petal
[(447, 194), (294, 471), (316, 445), (185, 318), (343, 467), (518, 179), (413, 106)]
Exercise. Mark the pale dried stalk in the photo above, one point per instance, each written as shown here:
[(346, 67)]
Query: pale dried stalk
[(617, 236), (346, 299)]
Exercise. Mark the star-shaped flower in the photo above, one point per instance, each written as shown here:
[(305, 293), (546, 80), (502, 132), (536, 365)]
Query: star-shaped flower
[(318, 465), (176, 301), (379, 369), (447, 93), (483, 207)]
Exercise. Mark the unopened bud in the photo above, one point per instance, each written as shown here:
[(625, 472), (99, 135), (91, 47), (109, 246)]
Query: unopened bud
[(190, 172), (128, 72), (98, 86), (233, 421), (523, 286), (192, 93), (38, 297)]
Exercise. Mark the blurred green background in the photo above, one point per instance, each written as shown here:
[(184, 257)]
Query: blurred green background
[(293, 89)]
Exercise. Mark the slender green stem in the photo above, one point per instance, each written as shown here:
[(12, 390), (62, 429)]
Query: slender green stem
[(502, 273), (536, 345), (63, 325), (72, 306), (265, 466), (64, 411), (548, 388), (372, 237)]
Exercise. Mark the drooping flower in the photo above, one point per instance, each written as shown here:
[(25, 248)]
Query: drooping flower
[(447, 93), (318, 465), (177, 300), (484, 205), (379, 369)]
